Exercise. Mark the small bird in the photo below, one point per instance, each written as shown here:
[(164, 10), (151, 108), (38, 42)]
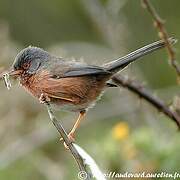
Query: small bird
[(70, 85)]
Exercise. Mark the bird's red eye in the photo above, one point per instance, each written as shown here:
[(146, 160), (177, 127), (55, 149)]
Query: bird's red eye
[(26, 65)]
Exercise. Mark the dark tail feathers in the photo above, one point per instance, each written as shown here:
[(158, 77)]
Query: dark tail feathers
[(122, 62)]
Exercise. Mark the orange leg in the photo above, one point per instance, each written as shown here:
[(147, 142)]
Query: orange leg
[(71, 135)]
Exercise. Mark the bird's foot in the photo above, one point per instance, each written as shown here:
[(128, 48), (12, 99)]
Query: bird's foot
[(71, 138), (44, 98)]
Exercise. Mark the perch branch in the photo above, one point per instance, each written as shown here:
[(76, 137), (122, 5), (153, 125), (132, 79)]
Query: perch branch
[(140, 91), (159, 24), (70, 145)]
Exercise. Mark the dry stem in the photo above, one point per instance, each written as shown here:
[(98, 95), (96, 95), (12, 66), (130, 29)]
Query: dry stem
[(159, 24)]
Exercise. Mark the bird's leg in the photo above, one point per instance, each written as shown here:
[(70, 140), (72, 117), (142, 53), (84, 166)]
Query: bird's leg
[(71, 135)]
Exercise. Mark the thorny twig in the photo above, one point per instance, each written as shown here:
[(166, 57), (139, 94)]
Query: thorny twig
[(159, 24), (142, 92)]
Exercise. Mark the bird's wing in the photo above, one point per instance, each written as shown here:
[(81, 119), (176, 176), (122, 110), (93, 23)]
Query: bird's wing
[(76, 69), (65, 80), (87, 70)]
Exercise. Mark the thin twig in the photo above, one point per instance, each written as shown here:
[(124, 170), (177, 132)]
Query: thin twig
[(142, 92), (159, 24), (70, 145)]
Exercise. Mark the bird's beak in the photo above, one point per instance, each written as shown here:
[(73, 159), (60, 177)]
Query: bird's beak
[(15, 73)]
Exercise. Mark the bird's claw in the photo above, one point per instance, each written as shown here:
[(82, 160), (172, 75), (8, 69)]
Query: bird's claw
[(71, 138), (43, 98)]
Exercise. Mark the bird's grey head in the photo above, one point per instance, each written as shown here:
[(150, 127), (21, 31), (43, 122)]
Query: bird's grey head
[(30, 59)]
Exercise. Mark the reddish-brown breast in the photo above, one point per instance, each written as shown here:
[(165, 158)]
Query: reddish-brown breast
[(71, 90)]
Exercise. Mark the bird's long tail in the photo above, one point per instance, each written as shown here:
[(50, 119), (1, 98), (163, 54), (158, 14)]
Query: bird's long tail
[(122, 62)]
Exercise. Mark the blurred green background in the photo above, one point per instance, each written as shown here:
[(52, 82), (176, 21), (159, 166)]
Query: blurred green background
[(123, 133)]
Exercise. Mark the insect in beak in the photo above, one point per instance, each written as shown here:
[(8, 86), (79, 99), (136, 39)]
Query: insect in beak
[(13, 73)]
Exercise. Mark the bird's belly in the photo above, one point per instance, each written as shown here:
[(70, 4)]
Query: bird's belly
[(68, 106), (58, 104)]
